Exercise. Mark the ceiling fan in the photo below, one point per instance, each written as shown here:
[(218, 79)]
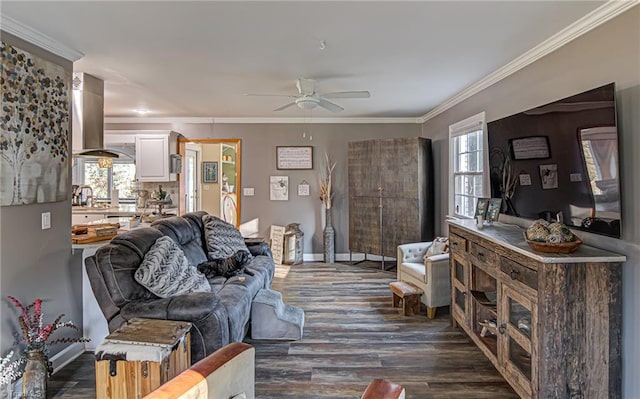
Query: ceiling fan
[(309, 98)]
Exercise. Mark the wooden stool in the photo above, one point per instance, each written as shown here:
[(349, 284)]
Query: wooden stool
[(410, 296)]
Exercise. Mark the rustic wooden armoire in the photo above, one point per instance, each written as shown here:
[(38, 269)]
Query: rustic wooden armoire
[(390, 194)]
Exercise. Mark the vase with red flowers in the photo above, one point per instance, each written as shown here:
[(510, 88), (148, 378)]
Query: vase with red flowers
[(35, 335)]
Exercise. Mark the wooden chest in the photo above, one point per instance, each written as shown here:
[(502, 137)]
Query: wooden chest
[(140, 356)]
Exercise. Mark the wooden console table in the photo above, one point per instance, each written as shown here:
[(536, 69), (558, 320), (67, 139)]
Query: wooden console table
[(550, 323)]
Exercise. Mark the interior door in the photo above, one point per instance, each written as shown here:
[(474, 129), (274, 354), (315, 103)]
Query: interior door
[(215, 192), (191, 180)]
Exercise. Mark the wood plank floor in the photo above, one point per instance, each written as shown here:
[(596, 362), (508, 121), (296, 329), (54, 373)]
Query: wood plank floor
[(351, 336)]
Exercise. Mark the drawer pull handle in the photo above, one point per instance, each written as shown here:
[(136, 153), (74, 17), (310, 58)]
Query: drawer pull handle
[(514, 274), (454, 245), (502, 328), (481, 256)]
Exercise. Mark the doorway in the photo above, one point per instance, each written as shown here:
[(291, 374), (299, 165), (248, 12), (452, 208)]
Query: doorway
[(192, 176), (212, 177)]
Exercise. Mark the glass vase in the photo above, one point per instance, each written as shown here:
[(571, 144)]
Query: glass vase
[(36, 376)]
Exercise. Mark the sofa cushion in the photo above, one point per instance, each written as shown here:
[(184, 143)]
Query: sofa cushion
[(185, 234), (227, 267), (166, 272), (223, 239)]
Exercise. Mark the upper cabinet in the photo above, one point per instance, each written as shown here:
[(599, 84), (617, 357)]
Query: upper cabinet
[(155, 152)]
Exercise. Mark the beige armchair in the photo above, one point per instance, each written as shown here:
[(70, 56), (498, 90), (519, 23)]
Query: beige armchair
[(432, 276)]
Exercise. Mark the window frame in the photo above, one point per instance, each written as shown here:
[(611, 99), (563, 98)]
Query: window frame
[(464, 127), (81, 172)]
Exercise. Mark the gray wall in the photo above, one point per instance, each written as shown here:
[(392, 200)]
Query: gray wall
[(34, 262), (259, 143), (610, 53)]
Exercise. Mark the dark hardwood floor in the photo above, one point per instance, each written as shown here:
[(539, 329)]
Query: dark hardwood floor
[(351, 336)]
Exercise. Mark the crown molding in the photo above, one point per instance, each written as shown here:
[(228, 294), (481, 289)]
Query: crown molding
[(143, 120), (38, 38), (597, 17)]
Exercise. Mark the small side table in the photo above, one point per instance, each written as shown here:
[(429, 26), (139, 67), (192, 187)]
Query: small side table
[(140, 356), (410, 296)]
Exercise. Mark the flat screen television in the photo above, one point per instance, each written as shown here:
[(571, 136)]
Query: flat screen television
[(560, 161)]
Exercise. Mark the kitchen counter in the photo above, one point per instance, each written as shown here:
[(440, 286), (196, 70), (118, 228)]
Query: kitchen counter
[(120, 210)]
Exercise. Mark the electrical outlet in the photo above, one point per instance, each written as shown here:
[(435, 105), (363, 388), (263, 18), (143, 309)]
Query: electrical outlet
[(248, 191), (46, 220), (575, 177)]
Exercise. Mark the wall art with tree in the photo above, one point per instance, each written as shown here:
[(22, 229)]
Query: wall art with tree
[(34, 124)]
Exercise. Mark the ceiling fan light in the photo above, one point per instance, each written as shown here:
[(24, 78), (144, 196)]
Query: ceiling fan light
[(307, 102)]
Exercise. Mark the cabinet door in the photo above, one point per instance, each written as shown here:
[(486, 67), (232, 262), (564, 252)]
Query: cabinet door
[(459, 288), (517, 325), (399, 174), (364, 168), (364, 225), (400, 224), (152, 157)]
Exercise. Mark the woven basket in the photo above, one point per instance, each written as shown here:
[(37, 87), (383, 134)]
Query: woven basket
[(562, 248)]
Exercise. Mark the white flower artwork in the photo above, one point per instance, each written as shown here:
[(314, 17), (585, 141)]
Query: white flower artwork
[(279, 188), (34, 124)]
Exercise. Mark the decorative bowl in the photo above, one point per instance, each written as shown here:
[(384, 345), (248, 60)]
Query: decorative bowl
[(562, 248)]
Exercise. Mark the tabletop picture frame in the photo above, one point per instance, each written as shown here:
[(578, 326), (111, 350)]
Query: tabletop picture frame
[(298, 157), (481, 207), (493, 209)]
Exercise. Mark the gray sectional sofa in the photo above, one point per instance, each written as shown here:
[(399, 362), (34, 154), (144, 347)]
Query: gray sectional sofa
[(219, 317)]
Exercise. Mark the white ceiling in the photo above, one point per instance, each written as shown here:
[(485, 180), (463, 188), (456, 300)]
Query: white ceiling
[(197, 59)]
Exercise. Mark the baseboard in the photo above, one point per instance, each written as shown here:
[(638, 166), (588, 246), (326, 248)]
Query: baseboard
[(344, 257), (66, 356)]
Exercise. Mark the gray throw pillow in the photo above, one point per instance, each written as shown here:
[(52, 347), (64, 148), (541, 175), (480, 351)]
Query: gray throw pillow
[(223, 239), (166, 272)]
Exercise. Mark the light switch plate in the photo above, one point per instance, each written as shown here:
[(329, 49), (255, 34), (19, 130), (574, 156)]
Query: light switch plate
[(46, 220), (248, 191)]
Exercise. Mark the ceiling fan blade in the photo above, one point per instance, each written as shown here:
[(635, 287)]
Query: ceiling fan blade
[(347, 94), (285, 106), (268, 95), (328, 105)]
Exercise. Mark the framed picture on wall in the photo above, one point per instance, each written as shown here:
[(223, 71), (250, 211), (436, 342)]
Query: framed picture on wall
[(209, 172)]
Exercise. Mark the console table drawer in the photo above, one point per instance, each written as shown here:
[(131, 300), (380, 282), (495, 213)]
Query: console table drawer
[(519, 273), (482, 254), (457, 243)]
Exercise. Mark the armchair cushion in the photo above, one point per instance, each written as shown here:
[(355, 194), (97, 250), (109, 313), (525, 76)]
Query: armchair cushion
[(166, 272)]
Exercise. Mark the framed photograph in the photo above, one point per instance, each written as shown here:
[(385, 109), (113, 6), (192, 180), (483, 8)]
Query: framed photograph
[(549, 176), (481, 207), (279, 188), (535, 147), (210, 172), (493, 209), (294, 157)]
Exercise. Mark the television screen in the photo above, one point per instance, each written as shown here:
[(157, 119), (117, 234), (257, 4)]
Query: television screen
[(560, 161)]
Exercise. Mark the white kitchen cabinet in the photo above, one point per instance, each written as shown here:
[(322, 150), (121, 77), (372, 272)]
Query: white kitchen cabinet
[(83, 218), (153, 156)]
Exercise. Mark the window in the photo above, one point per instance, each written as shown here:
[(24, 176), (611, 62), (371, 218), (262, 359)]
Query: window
[(467, 165), (119, 177)]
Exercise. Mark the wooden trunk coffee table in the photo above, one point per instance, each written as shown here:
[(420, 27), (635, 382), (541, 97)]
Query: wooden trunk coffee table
[(140, 356)]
